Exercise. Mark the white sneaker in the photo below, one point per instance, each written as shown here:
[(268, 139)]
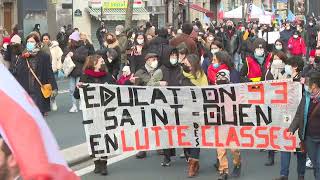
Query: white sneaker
[(80, 107), (309, 164), (54, 106), (74, 109)]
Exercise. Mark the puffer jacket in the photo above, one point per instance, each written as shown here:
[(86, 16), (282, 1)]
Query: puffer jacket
[(297, 47), (56, 54)]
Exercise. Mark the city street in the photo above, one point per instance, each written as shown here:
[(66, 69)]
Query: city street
[(149, 169)]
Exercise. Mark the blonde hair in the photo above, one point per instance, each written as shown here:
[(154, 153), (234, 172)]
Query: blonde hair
[(86, 35)]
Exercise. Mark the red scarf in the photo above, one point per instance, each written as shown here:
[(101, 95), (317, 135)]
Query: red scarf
[(95, 74)]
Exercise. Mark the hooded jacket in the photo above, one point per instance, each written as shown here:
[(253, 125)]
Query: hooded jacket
[(56, 54), (297, 47)]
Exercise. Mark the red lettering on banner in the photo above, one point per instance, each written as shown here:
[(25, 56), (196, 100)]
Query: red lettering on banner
[(232, 137), (125, 148), (204, 137), (181, 135), (243, 134), (262, 136), (146, 138), (216, 133), (256, 88), (169, 129), (293, 140), (156, 130), (273, 136), (283, 91)]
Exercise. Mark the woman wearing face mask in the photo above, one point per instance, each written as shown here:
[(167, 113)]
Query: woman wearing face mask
[(277, 68), (293, 68), (209, 40), (215, 47), (256, 65), (34, 60), (86, 42), (220, 61), (193, 71), (138, 51), (95, 71), (280, 46), (306, 120), (112, 60), (296, 45)]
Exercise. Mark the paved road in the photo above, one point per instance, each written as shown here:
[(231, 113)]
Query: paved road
[(67, 127), (150, 169)]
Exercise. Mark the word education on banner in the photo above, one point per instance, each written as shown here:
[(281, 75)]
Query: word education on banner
[(120, 119)]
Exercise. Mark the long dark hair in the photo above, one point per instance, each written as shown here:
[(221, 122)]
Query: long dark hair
[(224, 58), (194, 60)]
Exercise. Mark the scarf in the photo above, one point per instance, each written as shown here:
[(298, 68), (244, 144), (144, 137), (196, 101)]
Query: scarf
[(315, 97), (277, 71), (200, 80), (94, 74)]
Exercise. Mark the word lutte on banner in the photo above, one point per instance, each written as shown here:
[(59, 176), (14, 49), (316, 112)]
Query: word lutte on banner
[(120, 119)]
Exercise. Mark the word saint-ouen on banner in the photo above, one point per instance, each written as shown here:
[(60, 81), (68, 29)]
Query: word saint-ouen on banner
[(120, 119)]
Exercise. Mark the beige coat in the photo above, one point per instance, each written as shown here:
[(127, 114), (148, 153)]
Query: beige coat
[(56, 54)]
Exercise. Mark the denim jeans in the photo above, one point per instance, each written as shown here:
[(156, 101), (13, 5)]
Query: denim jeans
[(285, 163), (237, 62), (313, 150), (192, 152), (72, 85)]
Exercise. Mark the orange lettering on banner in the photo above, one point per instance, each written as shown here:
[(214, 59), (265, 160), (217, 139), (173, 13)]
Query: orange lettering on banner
[(273, 136), (256, 88), (204, 137), (283, 91), (169, 129), (156, 130), (125, 148), (181, 135), (146, 138), (263, 136), (293, 140), (232, 137), (243, 134), (216, 133)]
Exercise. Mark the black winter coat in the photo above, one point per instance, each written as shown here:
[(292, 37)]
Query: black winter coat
[(173, 75), (101, 80), (44, 72), (79, 57)]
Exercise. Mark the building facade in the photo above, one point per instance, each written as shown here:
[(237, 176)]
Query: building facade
[(8, 14)]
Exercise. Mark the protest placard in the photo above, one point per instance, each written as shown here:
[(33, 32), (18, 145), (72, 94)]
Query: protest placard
[(121, 119), (273, 36)]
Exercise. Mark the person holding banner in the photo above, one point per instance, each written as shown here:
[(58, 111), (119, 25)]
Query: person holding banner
[(192, 71), (255, 66), (306, 121), (94, 71), (293, 68)]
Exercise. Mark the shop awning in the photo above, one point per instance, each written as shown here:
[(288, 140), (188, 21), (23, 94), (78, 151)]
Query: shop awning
[(195, 7), (119, 14)]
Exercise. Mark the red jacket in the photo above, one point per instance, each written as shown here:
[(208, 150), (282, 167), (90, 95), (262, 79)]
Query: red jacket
[(297, 47), (212, 72), (122, 80)]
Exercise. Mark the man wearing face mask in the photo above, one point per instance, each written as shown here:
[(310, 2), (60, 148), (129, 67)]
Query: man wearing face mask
[(286, 33), (256, 65), (14, 50), (311, 39), (296, 45)]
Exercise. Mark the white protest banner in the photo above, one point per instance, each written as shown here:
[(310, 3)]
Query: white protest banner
[(265, 19), (273, 36), (121, 119)]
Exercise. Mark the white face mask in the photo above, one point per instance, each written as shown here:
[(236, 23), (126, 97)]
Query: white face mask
[(117, 33), (154, 64), (110, 60), (295, 36), (210, 38), (277, 62), (140, 41), (259, 52), (173, 61), (5, 45), (279, 47), (214, 51)]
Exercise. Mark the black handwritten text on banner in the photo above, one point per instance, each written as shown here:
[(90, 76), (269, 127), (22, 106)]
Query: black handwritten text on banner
[(121, 119)]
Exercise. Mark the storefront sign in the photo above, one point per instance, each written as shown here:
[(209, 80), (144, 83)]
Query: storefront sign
[(120, 4)]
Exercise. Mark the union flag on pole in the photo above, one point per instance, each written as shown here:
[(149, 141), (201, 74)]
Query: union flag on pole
[(25, 131)]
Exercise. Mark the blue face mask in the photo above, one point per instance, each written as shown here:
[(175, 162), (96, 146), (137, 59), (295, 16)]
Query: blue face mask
[(30, 46), (260, 59), (216, 65)]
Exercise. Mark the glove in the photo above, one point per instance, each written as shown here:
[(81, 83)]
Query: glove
[(54, 93)]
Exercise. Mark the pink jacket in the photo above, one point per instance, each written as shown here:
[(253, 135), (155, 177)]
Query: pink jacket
[(297, 47)]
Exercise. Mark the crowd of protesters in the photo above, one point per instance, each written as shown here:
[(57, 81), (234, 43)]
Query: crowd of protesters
[(193, 55)]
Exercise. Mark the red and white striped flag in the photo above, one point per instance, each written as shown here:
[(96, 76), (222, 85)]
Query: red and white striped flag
[(25, 131)]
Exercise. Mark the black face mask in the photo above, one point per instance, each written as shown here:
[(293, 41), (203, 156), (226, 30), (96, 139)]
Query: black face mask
[(229, 27), (186, 68)]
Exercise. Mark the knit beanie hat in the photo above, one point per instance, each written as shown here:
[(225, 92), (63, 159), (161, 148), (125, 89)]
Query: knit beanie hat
[(75, 36), (16, 39), (6, 40), (120, 28), (259, 42)]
